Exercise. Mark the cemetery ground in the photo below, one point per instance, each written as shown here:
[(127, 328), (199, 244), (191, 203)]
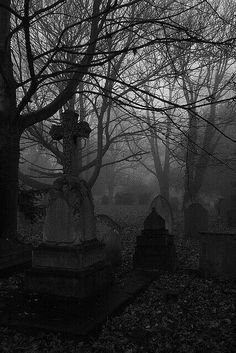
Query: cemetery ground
[(180, 312)]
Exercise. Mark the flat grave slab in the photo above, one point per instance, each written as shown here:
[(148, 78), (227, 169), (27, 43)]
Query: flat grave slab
[(31, 312)]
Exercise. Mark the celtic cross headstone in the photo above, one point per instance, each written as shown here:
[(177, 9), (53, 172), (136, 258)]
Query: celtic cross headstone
[(70, 131), (71, 261), (70, 214)]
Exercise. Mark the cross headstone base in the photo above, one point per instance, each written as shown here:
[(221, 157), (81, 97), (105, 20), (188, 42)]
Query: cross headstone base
[(77, 271)]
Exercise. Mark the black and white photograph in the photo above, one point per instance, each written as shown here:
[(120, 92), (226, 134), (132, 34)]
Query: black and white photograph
[(117, 176)]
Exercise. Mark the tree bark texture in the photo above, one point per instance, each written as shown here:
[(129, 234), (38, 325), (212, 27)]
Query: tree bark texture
[(9, 157), (13, 119), (10, 132)]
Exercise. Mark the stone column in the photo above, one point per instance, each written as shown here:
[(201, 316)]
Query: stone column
[(69, 125)]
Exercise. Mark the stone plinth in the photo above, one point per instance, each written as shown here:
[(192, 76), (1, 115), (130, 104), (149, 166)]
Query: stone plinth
[(78, 271), (68, 256), (155, 250), (218, 255)]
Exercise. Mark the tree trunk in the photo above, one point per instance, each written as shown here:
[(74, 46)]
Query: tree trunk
[(190, 192), (111, 187), (9, 161), (10, 132), (164, 187)]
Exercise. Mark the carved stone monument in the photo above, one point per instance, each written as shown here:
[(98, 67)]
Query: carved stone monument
[(71, 261), (155, 248)]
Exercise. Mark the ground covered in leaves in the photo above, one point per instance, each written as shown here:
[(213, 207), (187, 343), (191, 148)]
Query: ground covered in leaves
[(179, 312)]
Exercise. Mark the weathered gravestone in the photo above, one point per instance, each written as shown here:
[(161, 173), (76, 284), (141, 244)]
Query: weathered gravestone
[(109, 233), (231, 218), (217, 255), (223, 206), (163, 208), (155, 248), (226, 210), (195, 220), (71, 261)]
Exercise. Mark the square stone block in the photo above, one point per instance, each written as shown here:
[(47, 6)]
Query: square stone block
[(218, 255), (79, 284), (77, 271), (68, 256)]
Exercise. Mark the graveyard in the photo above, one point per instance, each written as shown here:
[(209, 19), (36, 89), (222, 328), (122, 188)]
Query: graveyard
[(178, 311), (117, 176)]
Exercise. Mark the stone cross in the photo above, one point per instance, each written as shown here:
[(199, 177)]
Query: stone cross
[(70, 130), (70, 213)]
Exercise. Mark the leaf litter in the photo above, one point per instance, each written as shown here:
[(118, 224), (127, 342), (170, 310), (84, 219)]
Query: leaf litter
[(179, 313)]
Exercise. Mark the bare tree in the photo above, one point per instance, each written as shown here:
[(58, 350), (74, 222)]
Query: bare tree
[(46, 65)]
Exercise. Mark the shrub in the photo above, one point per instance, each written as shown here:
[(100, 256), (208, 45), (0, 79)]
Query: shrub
[(27, 204)]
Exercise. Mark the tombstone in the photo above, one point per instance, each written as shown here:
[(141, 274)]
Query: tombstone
[(217, 255), (231, 218), (109, 233), (226, 212), (163, 208), (222, 207), (195, 220), (155, 248), (71, 260), (70, 215)]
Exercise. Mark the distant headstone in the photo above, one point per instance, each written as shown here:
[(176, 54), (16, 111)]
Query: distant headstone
[(124, 198), (163, 208), (226, 212), (104, 200), (196, 220), (231, 215), (223, 205)]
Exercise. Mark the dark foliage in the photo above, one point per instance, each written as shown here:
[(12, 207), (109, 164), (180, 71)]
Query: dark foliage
[(27, 204)]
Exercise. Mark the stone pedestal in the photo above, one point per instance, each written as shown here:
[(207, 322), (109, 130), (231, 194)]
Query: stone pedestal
[(218, 255), (78, 271), (155, 248), (14, 255)]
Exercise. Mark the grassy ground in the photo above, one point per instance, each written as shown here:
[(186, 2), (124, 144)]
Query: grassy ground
[(179, 313)]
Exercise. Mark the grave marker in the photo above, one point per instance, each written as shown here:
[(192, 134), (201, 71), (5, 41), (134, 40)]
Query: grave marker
[(217, 255), (196, 220), (155, 248), (163, 208), (71, 260)]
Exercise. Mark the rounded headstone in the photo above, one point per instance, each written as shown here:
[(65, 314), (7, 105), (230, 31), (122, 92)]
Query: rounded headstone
[(163, 208), (154, 221)]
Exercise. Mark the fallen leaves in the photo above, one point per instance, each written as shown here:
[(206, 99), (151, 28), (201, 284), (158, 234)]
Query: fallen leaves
[(178, 313)]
